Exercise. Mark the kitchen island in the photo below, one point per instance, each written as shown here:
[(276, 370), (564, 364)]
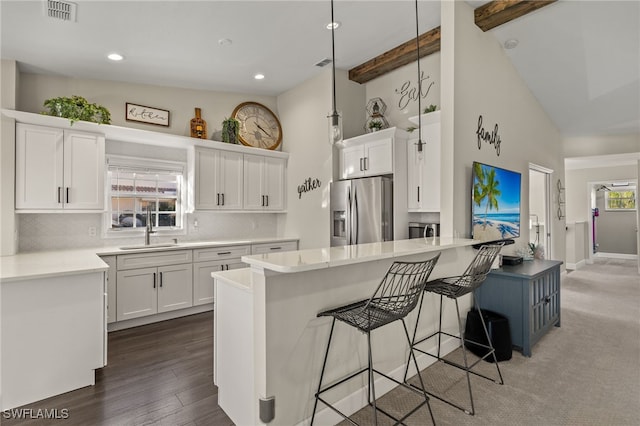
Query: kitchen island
[(269, 344)]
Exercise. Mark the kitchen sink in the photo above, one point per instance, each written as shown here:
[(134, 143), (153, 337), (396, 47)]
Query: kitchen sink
[(149, 246)]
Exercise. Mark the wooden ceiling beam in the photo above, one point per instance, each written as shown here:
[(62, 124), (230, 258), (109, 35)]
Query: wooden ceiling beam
[(499, 12), (487, 16), (396, 57)]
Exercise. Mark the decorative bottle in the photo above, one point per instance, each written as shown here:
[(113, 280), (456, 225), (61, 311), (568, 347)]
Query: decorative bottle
[(198, 126)]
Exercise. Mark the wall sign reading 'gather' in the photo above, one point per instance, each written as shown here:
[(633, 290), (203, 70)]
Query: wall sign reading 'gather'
[(308, 185), (492, 138)]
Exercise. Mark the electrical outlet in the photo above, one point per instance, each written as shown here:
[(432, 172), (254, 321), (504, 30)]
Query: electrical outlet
[(92, 231)]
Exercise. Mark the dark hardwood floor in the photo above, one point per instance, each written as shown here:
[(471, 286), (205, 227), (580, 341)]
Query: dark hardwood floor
[(158, 374)]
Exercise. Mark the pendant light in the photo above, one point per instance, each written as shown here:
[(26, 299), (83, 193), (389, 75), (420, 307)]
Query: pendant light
[(335, 118), (420, 143)]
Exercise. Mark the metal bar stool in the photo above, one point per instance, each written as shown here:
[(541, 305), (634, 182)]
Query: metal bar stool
[(453, 288), (396, 295)]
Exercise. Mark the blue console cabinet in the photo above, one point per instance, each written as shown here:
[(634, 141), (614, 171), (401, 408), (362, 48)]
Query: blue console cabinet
[(528, 295)]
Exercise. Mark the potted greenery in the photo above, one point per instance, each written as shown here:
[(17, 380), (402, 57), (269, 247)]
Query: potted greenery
[(230, 129), (375, 125), (76, 108), (430, 108)]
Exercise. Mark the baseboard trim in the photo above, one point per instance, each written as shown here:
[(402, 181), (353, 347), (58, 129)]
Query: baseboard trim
[(358, 399), (576, 266), (617, 255), (136, 322)]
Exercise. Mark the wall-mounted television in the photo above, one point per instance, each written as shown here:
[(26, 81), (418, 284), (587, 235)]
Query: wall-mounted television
[(495, 214)]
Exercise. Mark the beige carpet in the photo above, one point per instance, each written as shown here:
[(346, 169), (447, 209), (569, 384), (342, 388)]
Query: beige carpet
[(587, 372)]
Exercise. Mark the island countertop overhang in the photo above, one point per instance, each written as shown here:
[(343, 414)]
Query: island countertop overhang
[(313, 259)]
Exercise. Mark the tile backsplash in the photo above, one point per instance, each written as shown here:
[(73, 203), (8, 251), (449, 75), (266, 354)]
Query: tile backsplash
[(53, 231)]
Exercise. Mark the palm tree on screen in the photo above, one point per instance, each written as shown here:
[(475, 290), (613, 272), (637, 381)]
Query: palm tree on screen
[(486, 187)]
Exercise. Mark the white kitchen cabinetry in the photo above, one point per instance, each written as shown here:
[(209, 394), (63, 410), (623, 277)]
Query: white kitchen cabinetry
[(274, 247), (111, 287), (206, 261), (164, 284), (264, 179), (58, 169), (423, 168), (367, 155), (218, 179)]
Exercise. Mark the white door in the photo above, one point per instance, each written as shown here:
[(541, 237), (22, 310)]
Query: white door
[(83, 171), (352, 159), (378, 157), (253, 192), (539, 220), (136, 293), (206, 179), (273, 183), (175, 287), (203, 282), (230, 180), (39, 167)]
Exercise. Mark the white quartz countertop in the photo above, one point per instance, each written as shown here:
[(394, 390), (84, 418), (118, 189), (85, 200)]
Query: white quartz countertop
[(49, 264), (311, 259), (23, 266)]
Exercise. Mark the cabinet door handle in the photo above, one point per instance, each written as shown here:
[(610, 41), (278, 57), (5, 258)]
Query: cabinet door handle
[(59, 189), (267, 200), (67, 195), (160, 279), (366, 163), (217, 199), (263, 201), (275, 248), (361, 169), (223, 253), (154, 280), (418, 194), (222, 198)]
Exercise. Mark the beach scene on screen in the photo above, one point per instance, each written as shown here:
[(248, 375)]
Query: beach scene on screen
[(496, 203)]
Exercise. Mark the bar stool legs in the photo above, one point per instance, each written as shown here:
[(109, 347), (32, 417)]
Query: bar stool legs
[(468, 368), (371, 391)]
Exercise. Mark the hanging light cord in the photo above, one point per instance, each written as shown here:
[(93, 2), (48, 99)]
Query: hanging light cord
[(419, 82), (333, 60)]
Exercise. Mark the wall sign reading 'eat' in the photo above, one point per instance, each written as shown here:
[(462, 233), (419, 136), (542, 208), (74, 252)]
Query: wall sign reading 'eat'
[(308, 185), (492, 138)]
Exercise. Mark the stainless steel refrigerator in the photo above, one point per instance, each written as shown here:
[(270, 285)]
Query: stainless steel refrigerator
[(361, 211)]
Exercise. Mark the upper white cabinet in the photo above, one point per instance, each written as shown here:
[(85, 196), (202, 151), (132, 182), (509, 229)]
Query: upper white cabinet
[(423, 168), (264, 183), (58, 169), (367, 155), (218, 179)]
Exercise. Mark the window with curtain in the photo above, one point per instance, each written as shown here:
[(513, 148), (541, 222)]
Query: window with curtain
[(621, 199), (135, 186)]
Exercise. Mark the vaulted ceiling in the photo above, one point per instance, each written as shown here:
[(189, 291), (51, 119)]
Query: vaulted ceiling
[(581, 59)]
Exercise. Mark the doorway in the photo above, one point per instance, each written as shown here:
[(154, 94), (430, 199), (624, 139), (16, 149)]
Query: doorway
[(539, 219)]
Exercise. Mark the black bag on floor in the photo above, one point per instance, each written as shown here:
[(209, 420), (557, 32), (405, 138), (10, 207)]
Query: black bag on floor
[(499, 333)]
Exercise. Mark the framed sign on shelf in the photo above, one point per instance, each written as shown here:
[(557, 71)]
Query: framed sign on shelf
[(145, 114)]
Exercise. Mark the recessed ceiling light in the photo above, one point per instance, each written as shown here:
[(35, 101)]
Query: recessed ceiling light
[(511, 43), (334, 25), (115, 57), (258, 76), (224, 42)]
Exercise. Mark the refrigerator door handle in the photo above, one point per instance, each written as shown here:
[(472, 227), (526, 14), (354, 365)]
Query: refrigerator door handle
[(348, 218), (354, 216)]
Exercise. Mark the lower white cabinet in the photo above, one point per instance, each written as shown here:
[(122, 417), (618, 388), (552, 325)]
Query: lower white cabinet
[(111, 288), (211, 260), (147, 291), (274, 247)]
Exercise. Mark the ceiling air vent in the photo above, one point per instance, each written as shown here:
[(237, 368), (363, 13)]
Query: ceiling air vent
[(324, 62), (63, 10)]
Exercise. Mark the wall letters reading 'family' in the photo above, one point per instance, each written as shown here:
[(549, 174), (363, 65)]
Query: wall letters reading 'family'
[(492, 138)]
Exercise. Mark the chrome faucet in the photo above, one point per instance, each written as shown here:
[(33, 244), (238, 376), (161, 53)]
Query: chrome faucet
[(148, 229)]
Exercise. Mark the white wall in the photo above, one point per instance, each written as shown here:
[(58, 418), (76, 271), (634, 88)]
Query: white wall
[(9, 80), (303, 113), (216, 106), (482, 81)]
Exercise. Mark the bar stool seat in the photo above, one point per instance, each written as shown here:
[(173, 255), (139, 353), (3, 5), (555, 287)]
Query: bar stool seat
[(454, 288), (396, 295)]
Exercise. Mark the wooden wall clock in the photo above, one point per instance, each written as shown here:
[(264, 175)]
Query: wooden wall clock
[(259, 126)]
